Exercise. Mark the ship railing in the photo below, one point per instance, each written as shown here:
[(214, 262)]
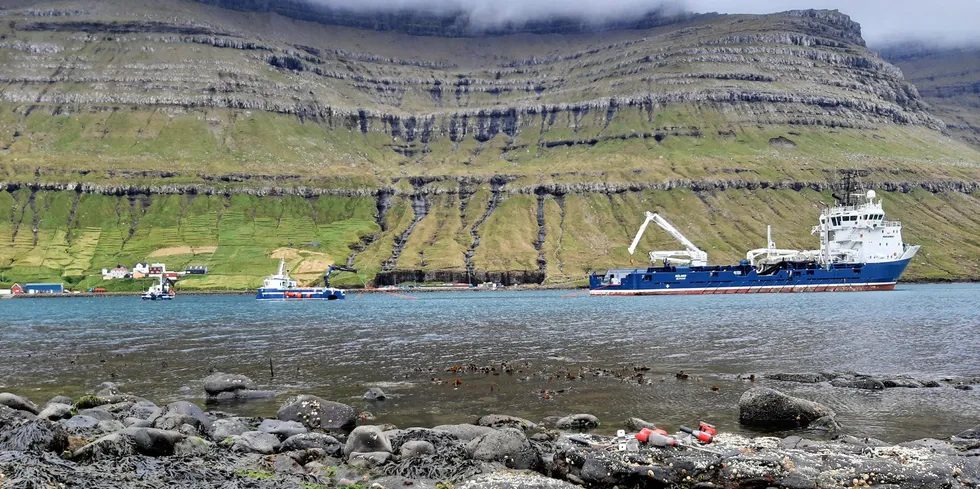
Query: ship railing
[(891, 224)]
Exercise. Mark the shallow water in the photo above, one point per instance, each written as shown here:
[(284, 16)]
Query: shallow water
[(337, 349)]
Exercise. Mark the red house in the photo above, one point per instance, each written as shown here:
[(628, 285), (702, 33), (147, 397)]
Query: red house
[(17, 289)]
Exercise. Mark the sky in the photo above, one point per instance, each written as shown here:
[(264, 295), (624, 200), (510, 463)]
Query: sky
[(882, 21), (948, 22)]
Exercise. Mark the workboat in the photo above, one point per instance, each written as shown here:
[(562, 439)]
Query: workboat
[(859, 250), (161, 291), (281, 287)]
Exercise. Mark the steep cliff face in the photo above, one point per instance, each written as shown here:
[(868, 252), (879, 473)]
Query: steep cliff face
[(521, 154), (948, 79), (803, 68)]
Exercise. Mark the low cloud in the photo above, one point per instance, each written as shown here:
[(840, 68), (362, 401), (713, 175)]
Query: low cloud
[(946, 22)]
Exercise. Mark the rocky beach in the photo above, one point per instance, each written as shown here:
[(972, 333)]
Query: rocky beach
[(115, 439)]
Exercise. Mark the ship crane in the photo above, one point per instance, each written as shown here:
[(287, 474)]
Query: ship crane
[(695, 256)]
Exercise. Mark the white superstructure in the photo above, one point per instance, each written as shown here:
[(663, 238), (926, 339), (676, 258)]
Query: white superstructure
[(281, 279), (860, 234)]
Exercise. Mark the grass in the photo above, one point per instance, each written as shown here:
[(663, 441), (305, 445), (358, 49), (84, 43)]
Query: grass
[(239, 237)]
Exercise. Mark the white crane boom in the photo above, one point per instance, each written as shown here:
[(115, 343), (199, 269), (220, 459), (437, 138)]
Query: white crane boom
[(697, 256)]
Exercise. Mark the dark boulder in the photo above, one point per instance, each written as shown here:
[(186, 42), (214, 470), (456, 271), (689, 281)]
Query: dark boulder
[(180, 413), (80, 423), (56, 411), (192, 446), (366, 439), (368, 460), (19, 403), (218, 382), (464, 432), (145, 410), (509, 446), (803, 378), (970, 434), (60, 400), (308, 441), (282, 429), (131, 441), (637, 424), (763, 406), (858, 383), (224, 428), (375, 394), (578, 422), (317, 413), (241, 395), (97, 413), (255, 442), (505, 421)]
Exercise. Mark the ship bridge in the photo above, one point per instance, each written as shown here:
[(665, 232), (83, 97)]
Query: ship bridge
[(860, 234)]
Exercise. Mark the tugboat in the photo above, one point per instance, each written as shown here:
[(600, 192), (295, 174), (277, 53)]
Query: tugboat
[(161, 291), (281, 287), (859, 250)]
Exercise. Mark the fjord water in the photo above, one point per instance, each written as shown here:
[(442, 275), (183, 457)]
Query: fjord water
[(162, 350)]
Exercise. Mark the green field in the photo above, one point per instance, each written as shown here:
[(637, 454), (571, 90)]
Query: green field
[(240, 238)]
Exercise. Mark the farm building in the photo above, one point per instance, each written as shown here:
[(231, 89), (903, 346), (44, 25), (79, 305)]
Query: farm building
[(197, 270), (44, 288), (118, 272)]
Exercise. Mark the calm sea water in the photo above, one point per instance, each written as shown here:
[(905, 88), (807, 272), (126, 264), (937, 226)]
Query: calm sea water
[(338, 349)]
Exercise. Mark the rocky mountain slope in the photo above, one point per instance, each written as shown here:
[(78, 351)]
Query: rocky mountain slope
[(948, 79), (134, 128)]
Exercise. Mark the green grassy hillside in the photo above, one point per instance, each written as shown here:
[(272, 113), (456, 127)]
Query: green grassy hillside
[(240, 238)]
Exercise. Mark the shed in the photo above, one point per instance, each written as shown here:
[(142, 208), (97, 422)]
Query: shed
[(45, 288), (17, 289)]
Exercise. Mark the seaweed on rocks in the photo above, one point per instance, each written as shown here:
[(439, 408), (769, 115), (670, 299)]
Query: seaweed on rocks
[(450, 462)]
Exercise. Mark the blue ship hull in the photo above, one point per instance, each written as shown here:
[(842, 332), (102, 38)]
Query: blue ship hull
[(747, 279), (300, 294)]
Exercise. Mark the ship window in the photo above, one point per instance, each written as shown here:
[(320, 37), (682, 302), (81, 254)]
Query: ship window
[(647, 278)]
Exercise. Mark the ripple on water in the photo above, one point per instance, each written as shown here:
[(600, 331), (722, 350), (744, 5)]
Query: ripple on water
[(336, 349)]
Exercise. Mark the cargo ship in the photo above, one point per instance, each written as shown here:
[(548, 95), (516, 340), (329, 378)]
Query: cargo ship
[(280, 287), (859, 250)]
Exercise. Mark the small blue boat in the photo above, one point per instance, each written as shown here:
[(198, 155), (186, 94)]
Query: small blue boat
[(281, 287)]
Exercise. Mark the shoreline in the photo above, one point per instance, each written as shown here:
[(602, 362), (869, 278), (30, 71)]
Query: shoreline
[(316, 443), (358, 290)]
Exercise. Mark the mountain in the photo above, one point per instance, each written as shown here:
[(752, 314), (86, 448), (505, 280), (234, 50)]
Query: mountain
[(197, 134), (948, 79)]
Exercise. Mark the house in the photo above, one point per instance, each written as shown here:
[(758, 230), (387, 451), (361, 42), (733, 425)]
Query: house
[(44, 288), (17, 289), (141, 268), (157, 269), (197, 270), (118, 272)]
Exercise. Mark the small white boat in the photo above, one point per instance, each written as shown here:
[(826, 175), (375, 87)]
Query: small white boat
[(161, 291)]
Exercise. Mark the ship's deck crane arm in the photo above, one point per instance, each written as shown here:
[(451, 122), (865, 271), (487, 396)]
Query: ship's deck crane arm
[(698, 256)]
